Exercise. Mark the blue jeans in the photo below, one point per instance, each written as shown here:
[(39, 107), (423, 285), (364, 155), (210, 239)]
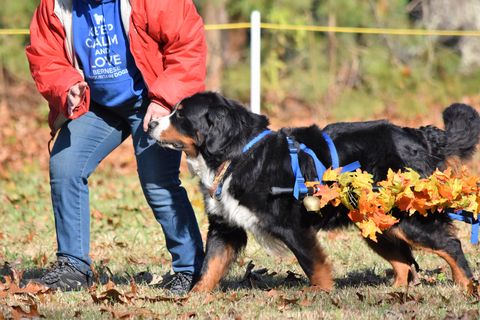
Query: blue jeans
[(80, 146)]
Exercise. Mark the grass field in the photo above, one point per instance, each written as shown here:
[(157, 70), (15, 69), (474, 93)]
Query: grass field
[(128, 243)]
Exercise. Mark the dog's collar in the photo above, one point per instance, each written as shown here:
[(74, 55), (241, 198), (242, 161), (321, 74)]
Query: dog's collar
[(226, 167)]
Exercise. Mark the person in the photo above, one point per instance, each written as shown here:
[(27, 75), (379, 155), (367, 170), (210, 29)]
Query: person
[(106, 68)]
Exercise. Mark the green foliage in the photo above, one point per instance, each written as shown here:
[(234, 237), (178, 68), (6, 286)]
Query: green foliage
[(406, 74), (350, 75), (15, 15)]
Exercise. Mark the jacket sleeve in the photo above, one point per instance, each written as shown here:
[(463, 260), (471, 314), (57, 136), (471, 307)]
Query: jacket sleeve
[(50, 64), (184, 51)]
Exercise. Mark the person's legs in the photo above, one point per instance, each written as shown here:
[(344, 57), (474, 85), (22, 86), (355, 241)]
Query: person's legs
[(80, 146), (158, 170)]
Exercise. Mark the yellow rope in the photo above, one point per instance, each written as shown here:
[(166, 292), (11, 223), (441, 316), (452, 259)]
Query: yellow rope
[(228, 26), (11, 32), (288, 27)]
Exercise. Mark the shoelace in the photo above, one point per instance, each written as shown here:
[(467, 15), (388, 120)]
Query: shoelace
[(58, 268), (179, 280)]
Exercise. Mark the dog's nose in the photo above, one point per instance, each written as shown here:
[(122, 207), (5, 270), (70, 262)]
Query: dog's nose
[(152, 125)]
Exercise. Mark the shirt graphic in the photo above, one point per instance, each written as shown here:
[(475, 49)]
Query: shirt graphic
[(102, 48)]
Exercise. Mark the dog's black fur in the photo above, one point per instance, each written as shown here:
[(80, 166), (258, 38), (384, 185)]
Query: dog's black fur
[(211, 127)]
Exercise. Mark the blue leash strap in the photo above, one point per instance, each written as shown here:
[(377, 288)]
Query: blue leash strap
[(294, 148), (318, 164), (467, 217), (252, 142), (217, 193), (351, 167), (299, 185), (333, 150)]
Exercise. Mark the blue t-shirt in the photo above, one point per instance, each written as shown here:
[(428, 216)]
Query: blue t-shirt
[(102, 48)]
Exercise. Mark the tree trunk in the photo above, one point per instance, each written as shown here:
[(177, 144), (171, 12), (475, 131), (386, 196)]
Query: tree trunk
[(215, 13)]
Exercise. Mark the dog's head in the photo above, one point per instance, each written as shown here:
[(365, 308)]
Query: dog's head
[(206, 123)]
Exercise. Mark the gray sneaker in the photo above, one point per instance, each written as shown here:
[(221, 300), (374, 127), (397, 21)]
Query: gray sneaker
[(64, 276), (178, 283)]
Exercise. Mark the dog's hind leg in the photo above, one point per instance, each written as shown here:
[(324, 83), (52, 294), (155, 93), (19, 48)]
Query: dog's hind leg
[(223, 245), (439, 239), (399, 254), (306, 248)]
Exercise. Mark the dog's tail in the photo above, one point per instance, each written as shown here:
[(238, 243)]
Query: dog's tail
[(462, 129)]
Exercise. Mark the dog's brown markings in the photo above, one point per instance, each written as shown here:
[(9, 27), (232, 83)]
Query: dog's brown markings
[(172, 135), (217, 267), (321, 276), (455, 163), (403, 272), (458, 274)]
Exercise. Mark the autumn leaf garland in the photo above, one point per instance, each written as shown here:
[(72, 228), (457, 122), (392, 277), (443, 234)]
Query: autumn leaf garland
[(370, 205)]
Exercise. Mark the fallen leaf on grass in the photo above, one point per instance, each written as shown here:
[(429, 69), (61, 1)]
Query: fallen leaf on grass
[(112, 295), (233, 297), (360, 296), (19, 313), (209, 299), (97, 215), (134, 314), (40, 260), (306, 302), (335, 300), (253, 278), (188, 315), (402, 297), (272, 293), (285, 303), (466, 315), (177, 300), (10, 287)]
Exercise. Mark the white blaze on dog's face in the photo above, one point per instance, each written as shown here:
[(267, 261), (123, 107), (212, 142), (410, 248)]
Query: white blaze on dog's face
[(165, 131)]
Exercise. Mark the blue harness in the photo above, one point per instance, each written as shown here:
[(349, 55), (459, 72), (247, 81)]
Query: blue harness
[(299, 188)]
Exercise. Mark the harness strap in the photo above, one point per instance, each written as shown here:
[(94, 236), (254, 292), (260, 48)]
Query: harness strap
[(467, 217), (225, 168), (294, 147), (351, 167), (320, 168), (333, 150), (299, 185), (252, 142)]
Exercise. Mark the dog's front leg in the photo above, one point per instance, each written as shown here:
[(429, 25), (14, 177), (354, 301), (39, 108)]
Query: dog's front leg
[(223, 245), (309, 253)]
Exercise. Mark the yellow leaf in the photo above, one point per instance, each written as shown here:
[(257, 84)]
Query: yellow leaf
[(369, 229), (331, 174)]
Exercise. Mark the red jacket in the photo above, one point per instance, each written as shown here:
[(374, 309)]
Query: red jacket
[(167, 41)]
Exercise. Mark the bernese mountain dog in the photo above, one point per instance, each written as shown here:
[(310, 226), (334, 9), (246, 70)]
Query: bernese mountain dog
[(213, 132)]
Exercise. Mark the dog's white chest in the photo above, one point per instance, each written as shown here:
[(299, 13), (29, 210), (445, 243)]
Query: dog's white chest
[(228, 207), (231, 210)]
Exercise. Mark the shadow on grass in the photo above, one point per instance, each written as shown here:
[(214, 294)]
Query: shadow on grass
[(253, 279)]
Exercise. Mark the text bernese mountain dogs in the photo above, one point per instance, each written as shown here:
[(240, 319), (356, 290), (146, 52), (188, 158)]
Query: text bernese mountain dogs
[(213, 131)]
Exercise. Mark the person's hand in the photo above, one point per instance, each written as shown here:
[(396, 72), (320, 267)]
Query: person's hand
[(154, 111), (75, 96)]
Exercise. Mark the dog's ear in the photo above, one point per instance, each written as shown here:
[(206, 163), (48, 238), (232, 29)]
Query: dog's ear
[(220, 129)]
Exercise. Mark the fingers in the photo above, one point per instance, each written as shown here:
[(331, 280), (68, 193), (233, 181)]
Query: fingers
[(75, 95), (146, 120), (82, 86)]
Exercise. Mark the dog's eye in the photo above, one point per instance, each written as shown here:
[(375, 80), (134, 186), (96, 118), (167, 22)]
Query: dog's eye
[(179, 115)]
